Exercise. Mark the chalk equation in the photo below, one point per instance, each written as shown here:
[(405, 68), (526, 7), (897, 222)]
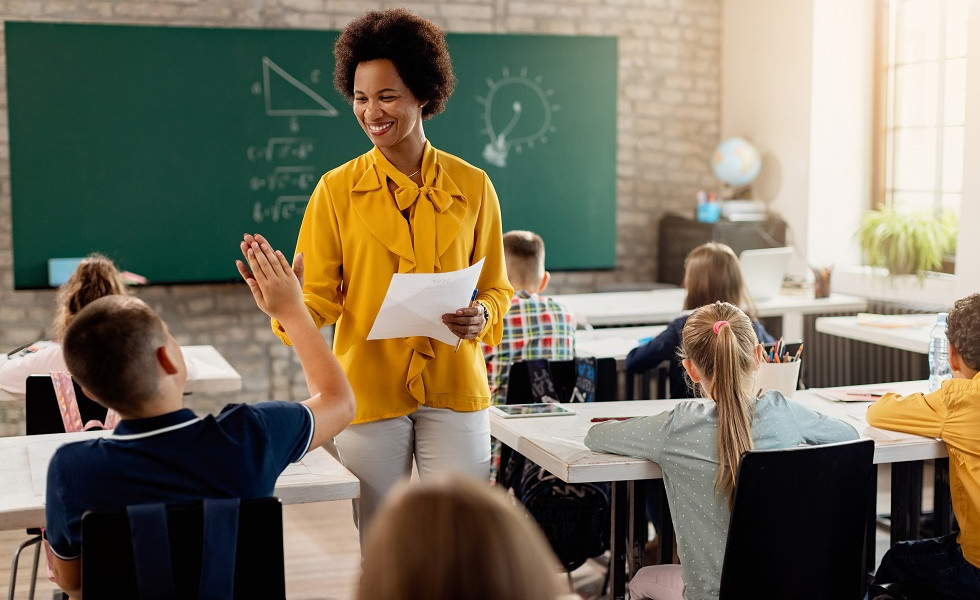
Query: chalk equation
[(281, 178), (281, 148), (283, 209), (517, 114)]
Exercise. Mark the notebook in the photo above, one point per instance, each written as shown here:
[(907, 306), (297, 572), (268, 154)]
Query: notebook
[(763, 271)]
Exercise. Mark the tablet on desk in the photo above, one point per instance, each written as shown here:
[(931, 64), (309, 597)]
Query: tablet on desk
[(851, 394), (541, 409)]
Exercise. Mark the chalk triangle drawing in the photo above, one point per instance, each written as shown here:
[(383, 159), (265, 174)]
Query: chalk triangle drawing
[(292, 97)]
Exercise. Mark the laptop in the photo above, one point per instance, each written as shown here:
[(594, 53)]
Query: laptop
[(763, 271)]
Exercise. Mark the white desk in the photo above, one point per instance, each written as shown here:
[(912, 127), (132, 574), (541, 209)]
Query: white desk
[(614, 342), (556, 444), (207, 372), (904, 332), (664, 305), (24, 461)]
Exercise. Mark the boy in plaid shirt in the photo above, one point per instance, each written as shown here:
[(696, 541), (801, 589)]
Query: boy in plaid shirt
[(535, 326)]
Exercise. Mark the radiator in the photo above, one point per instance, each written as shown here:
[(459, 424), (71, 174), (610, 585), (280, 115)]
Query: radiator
[(830, 360)]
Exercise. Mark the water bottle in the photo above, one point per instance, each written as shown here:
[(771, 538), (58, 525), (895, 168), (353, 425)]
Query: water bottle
[(938, 354)]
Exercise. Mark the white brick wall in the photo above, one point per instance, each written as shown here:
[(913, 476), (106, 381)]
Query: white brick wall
[(668, 113)]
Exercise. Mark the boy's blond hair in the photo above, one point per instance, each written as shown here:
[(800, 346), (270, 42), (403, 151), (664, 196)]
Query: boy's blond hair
[(524, 255)]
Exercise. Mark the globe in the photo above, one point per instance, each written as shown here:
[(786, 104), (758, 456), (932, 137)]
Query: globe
[(736, 162)]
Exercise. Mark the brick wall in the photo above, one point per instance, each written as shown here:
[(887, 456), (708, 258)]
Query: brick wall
[(668, 114)]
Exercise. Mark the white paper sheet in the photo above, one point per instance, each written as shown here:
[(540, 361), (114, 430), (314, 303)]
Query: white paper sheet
[(415, 303)]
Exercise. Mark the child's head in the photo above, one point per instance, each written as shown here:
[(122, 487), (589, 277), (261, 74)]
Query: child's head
[(524, 253), (456, 538), (721, 353), (114, 348), (96, 276), (712, 274), (963, 330)]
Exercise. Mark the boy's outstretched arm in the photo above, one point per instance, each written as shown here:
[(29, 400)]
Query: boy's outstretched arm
[(278, 293)]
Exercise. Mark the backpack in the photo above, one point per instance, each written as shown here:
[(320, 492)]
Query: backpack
[(573, 516)]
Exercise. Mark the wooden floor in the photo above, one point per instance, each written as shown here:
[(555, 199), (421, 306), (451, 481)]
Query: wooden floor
[(321, 547)]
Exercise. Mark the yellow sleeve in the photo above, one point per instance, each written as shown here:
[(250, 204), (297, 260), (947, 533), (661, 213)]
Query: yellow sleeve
[(916, 413), (319, 241), (495, 291)]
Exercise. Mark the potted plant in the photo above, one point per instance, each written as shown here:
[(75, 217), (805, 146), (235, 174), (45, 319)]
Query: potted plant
[(906, 242)]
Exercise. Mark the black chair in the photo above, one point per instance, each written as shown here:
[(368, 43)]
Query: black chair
[(563, 376), (257, 569), (798, 523), (41, 411)]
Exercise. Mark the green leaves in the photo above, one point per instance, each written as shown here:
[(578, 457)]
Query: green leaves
[(906, 242)]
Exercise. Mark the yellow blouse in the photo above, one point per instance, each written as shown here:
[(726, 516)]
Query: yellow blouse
[(355, 236)]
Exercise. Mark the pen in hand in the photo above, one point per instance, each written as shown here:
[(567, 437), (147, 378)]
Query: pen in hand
[(472, 300), (604, 419)]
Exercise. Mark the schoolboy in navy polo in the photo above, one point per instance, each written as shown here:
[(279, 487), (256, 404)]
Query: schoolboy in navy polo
[(125, 358)]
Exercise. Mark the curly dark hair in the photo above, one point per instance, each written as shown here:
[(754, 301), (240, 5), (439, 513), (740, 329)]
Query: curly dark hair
[(416, 46), (963, 329)]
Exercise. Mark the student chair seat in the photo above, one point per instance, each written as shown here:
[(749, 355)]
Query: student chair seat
[(798, 523), (222, 549)]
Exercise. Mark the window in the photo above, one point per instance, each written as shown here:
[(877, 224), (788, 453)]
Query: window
[(921, 101)]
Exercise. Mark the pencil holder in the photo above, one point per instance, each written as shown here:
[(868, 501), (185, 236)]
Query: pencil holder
[(782, 377)]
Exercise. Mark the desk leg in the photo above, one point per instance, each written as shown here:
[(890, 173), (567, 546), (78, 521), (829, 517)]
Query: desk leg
[(637, 530), (870, 532), (906, 500), (619, 515), (793, 326), (942, 508)]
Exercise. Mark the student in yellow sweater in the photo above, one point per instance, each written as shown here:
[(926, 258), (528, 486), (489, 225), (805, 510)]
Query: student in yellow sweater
[(948, 566)]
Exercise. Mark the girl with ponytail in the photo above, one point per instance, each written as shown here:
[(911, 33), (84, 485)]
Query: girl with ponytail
[(699, 444), (96, 276)]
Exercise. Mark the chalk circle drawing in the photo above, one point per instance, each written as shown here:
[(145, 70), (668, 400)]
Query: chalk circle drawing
[(283, 209), (517, 114), (287, 96)]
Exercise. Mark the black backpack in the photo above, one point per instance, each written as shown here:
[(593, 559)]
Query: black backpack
[(573, 516)]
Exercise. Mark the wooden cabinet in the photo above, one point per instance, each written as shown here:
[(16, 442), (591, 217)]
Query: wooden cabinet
[(679, 235)]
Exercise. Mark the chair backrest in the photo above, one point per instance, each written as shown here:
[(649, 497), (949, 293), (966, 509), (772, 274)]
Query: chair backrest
[(563, 375), (799, 522), (42, 414), (109, 568)]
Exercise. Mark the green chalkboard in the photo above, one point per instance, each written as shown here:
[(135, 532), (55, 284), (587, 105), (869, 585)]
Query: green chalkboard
[(160, 146)]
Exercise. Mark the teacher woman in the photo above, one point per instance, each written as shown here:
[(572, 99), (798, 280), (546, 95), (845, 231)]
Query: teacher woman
[(403, 207)]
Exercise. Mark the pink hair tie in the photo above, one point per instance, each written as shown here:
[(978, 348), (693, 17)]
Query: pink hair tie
[(718, 325)]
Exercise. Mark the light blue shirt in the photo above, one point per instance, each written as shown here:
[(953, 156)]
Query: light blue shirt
[(684, 442)]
